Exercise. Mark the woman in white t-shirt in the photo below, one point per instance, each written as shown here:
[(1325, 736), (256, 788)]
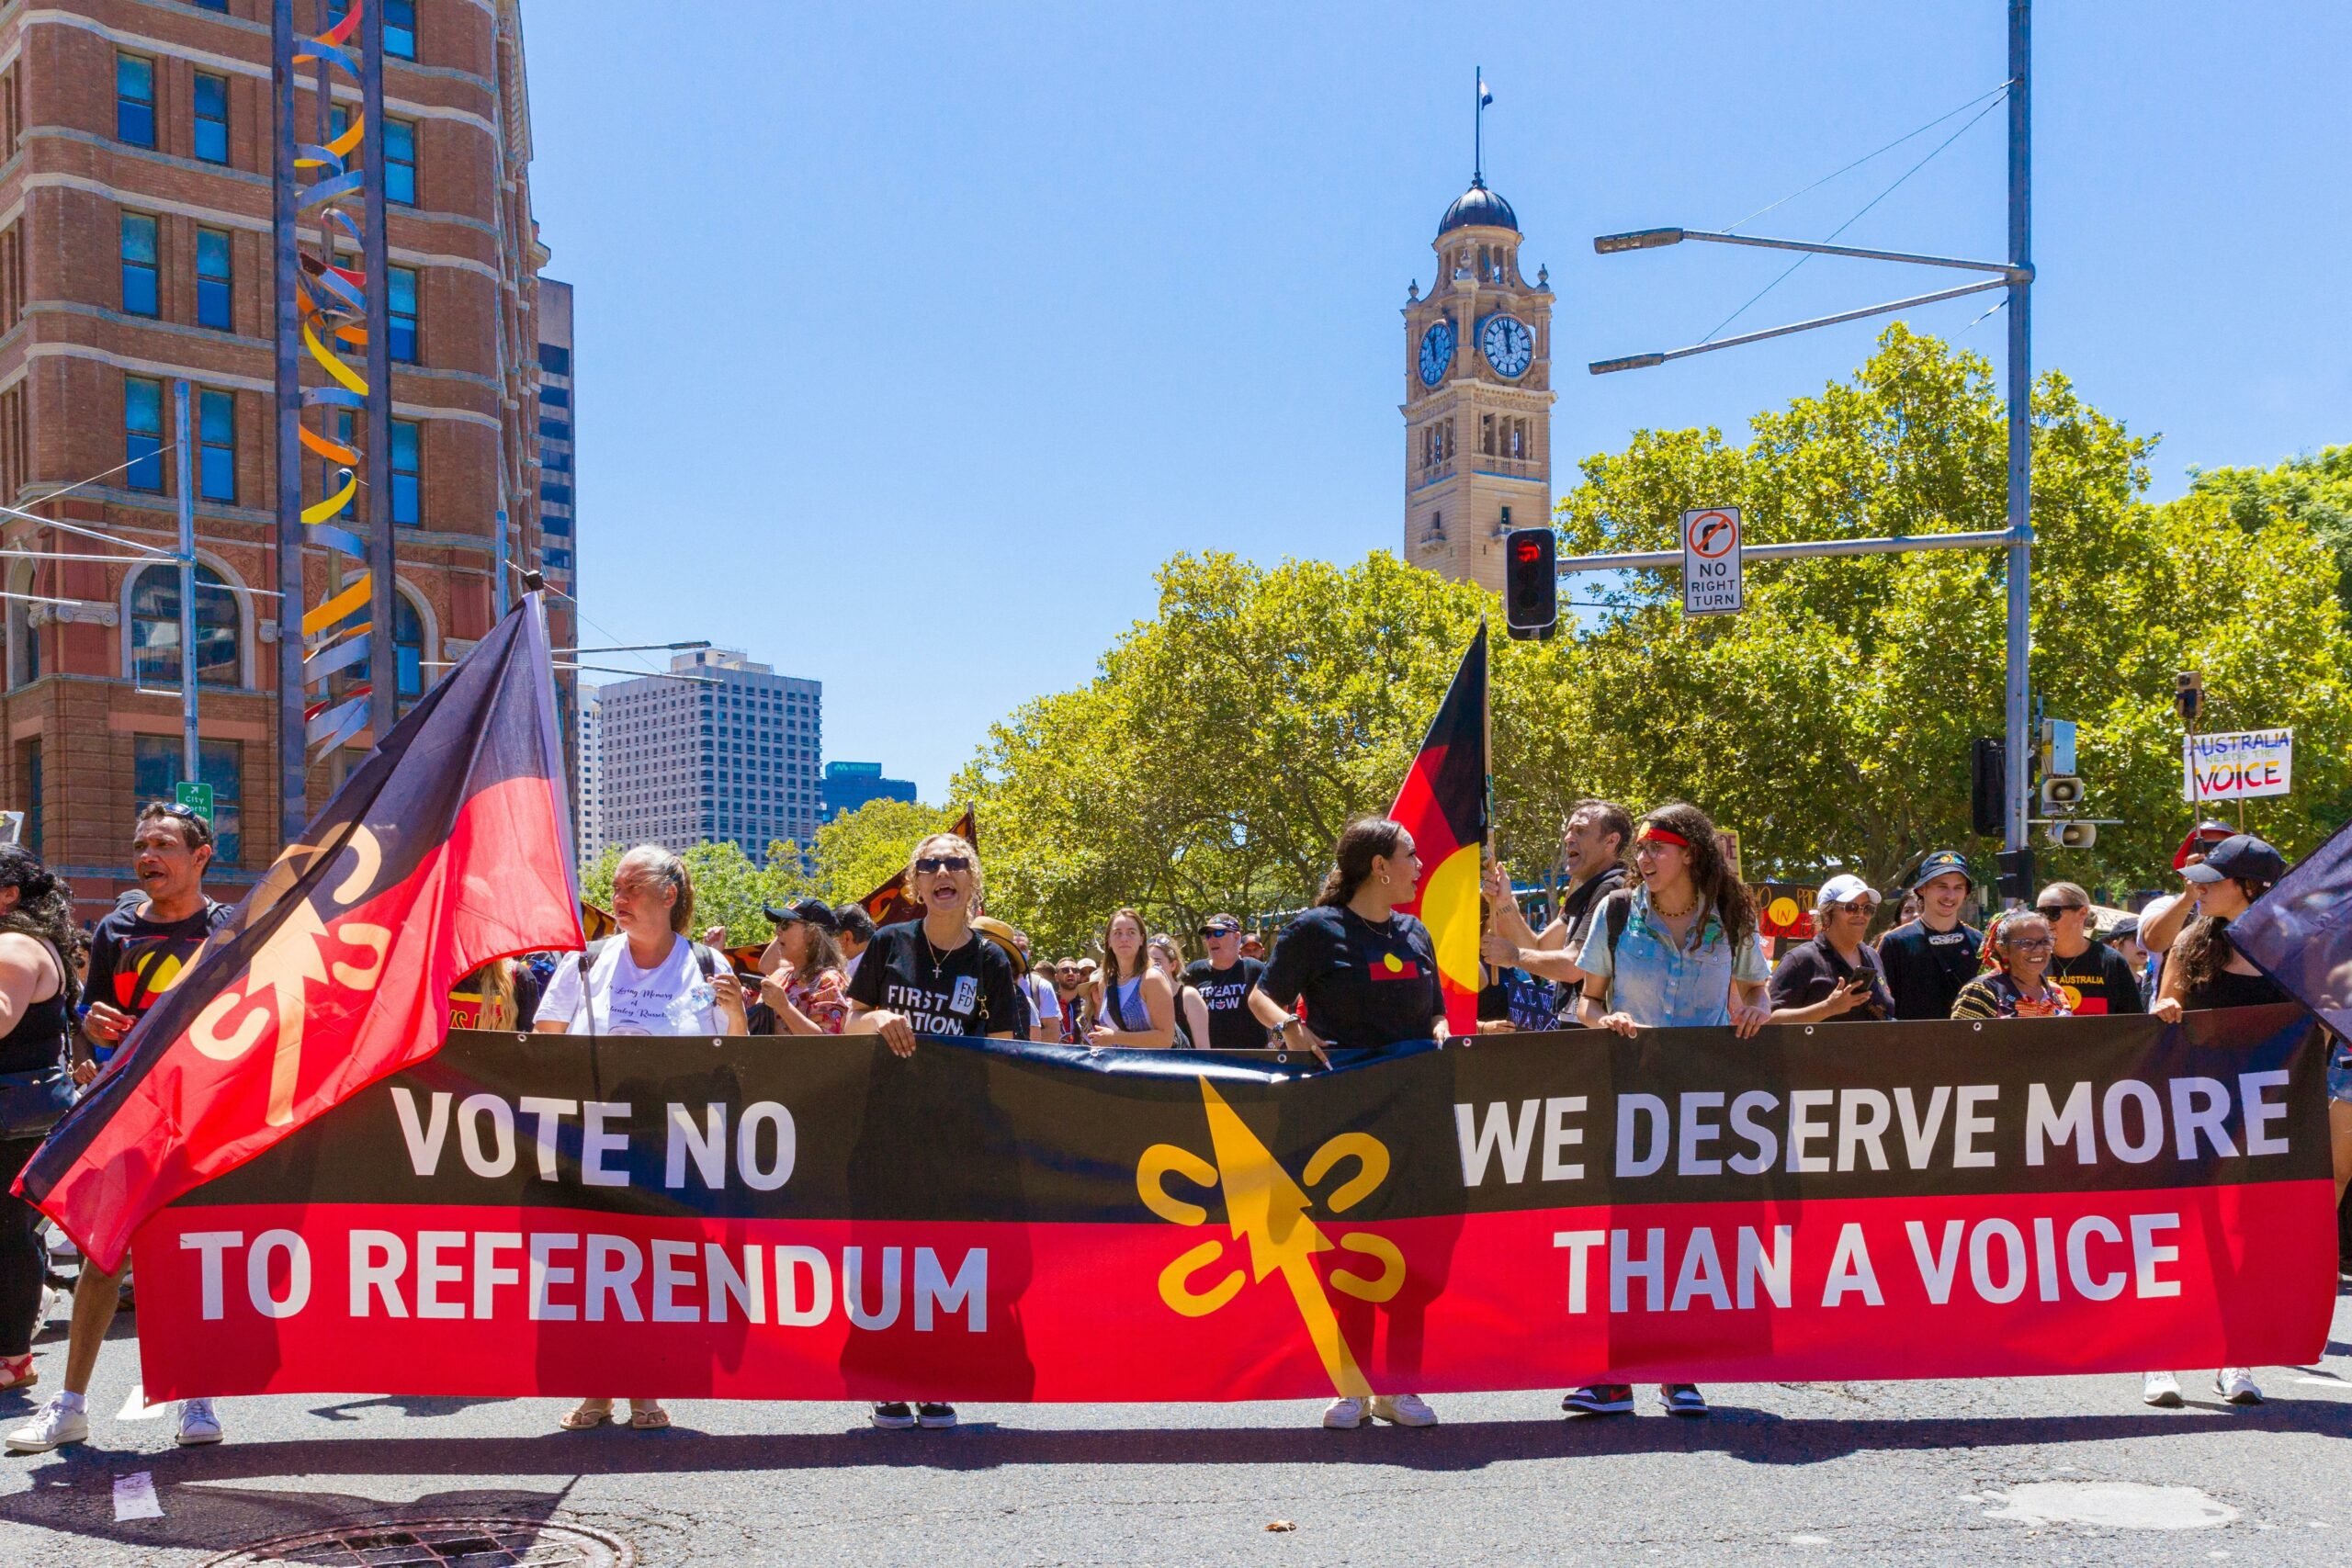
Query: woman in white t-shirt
[(649, 980)]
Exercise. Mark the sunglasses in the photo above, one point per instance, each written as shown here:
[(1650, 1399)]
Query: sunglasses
[(1855, 907), (1211, 934), (2051, 911), (942, 863)]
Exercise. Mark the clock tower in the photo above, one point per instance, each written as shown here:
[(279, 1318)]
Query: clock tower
[(1477, 395)]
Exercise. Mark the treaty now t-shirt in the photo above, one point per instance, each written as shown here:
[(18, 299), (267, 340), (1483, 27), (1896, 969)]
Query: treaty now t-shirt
[(961, 991), (1232, 1026)]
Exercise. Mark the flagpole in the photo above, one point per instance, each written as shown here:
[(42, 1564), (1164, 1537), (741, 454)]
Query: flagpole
[(1478, 129), (1487, 728)]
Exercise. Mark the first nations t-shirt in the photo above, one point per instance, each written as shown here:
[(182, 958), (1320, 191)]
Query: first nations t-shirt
[(962, 990)]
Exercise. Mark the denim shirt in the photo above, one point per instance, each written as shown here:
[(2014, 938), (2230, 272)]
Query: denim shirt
[(1660, 986)]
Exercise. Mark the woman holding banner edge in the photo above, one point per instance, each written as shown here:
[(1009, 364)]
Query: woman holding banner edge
[(1368, 976)]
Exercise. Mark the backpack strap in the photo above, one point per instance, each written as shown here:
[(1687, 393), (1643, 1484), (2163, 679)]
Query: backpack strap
[(1617, 910)]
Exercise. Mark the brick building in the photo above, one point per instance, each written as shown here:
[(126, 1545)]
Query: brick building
[(136, 148)]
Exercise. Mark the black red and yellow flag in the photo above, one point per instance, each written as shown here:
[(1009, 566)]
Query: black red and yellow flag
[(447, 847), (893, 902), (1443, 806)]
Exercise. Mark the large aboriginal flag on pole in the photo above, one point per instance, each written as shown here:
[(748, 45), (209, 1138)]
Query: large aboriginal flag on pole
[(1443, 806), (449, 847)]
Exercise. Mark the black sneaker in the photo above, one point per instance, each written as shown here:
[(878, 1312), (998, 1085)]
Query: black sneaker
[(934, 1416), (1600, 1399), (893, 1416), (1681, 1399)]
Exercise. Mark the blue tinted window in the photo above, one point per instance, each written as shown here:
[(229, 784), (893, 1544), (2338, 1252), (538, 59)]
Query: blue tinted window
[(556, 429), (555, 398), (400, 28), (407, 472), (401, 305), (143, 432), (555, 492), (211, 117), (555, 359), (212, 293), (408, 647), (134, 100), (216, 458), (138, 287), (157, 760), (400, 163)]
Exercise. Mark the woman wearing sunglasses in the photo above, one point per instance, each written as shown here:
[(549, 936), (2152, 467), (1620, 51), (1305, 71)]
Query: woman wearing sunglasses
[(1836, 974), (933, 975), (2016, 954)]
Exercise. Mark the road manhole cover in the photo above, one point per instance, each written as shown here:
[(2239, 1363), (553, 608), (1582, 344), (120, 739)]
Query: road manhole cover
[(440, 1543)]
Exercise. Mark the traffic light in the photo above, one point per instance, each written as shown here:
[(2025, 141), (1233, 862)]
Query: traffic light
[(1531, 583), (2016, 877), (1988, 787)]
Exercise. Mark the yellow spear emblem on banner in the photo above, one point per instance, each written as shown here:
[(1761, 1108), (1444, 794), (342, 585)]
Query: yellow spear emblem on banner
[(1267, 1209)]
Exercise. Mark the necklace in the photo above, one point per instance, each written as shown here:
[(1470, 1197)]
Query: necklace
[(1683, 913), (938, 959)]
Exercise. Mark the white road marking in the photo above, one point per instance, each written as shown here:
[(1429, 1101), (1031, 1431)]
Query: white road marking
[(134, 1497), (136, 1408), (2112, 1505)]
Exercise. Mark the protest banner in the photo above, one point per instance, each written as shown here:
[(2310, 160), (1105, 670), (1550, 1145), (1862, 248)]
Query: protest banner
[(2243, 766), (988, 1220)]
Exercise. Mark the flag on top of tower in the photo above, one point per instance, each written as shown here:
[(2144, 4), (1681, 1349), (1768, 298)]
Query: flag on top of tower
[(1486, 94)]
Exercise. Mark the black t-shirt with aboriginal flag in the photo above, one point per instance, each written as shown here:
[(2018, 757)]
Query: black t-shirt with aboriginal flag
[(133, 960), (1364, 983)]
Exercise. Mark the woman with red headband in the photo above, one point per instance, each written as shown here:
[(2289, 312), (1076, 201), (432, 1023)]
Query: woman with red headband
[(1679, 951)]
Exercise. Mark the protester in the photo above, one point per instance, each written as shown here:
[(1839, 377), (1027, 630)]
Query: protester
[(1138, 1008), (1069, 996), (2125, 940), (1192, 1012), (1905, 912), (1834, 973), (1593, 846), (853, 930), (37, 996), (1927, 960), (2207, 971), (1368, 976), (650, 978), (933, 975), (1045, 1001), (2165, 917), (1678, 950), (802, 988), (2017, 980), (2096, 978), (1253, 946), (139, 951), (1224, 980)]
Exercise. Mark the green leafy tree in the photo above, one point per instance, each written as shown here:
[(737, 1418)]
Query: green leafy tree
[(729, 889), (2314, 488), (859, 849)]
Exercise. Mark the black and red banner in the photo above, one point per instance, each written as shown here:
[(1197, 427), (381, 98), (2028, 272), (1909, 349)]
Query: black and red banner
[(449, 846), (992, 1221)]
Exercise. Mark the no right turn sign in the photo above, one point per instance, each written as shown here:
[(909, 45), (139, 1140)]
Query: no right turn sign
[(1713, 581)]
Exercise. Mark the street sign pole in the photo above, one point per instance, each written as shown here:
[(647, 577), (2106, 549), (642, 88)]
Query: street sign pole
[(184, 476), (2020, 374)]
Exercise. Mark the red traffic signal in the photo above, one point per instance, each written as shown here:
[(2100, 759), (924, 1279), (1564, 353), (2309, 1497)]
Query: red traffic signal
[(1530, 582)]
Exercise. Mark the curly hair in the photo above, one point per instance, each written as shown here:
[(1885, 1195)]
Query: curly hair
[(1718, 888), (1996, 931), (44, 908)]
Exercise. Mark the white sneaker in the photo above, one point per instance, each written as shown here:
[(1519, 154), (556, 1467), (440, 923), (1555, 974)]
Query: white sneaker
[(2236, 1385), (53, 1426), (2160, 1389), (1403, 1410), (198, 1424), (1344, 1416)]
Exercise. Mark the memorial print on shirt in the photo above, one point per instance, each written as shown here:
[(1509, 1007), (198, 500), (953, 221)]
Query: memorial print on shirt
[(957, 990)]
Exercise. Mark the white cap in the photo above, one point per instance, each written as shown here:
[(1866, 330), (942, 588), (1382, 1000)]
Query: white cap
[(1844, 889)]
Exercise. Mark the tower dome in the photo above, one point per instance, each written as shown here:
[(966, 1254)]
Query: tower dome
[(1478, 208)]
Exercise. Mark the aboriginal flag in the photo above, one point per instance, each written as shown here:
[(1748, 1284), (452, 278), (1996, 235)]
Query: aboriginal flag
[(894, 902), (2300, 932), (1443, 806), (447, 847)]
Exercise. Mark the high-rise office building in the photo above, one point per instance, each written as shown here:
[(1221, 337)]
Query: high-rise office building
[(590, 772), (849, 785), (137, 148), (729, 753), (555, 416)]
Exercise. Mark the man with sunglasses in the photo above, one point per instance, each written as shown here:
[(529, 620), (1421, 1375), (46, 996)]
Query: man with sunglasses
[(2096, 978), (1224, 979), (137, 953)]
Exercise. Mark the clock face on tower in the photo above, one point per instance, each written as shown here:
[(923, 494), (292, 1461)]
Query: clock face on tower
[(1437, 351), (1508, 344)]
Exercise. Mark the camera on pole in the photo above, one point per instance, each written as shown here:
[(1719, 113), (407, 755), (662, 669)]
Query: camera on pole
[(1531, 583)]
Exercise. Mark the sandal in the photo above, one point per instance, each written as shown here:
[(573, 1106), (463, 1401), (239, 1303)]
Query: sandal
[(587, 1416), (651, 1420), (16, 1371)]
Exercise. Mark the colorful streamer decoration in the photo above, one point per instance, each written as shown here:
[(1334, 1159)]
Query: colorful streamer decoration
[(331, 302)]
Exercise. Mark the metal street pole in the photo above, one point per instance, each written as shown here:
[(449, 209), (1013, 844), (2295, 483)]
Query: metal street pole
[(2020, 512), (293, 743), (184, 476), (383, 650)]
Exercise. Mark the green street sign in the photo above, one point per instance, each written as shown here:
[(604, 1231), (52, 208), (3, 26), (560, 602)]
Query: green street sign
[(197, 797)]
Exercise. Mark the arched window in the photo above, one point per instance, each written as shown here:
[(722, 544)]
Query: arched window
[(155, 628), (408, 648)]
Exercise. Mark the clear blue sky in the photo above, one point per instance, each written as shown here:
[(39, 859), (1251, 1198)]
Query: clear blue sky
[(912, 337)]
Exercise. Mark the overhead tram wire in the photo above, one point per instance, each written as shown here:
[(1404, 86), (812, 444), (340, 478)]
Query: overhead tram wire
[(581, 610), (1995, 90), (1857, 216)]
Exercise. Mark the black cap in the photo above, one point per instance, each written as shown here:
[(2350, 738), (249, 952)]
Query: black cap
[(852, 920), (816, 911), (2241, 856), (1943, 863)]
